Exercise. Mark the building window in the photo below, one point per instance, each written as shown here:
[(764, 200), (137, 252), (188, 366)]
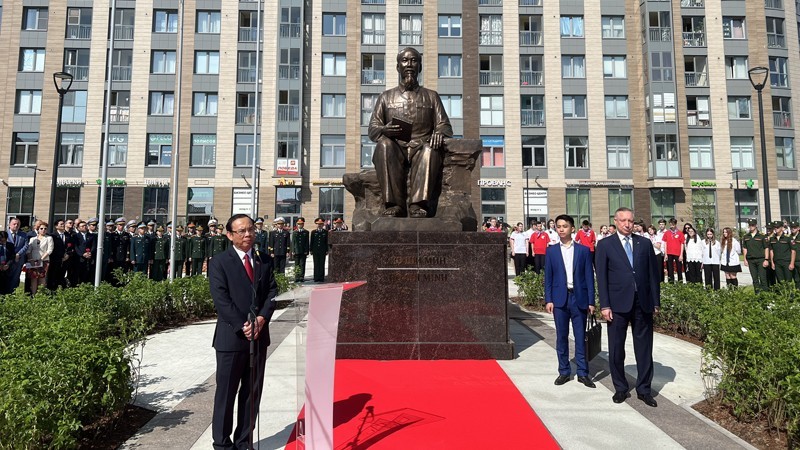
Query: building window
[(155, 204), (290, 22), (288, 201), (76, 63), (246, 70), (29, 102), (162, 103), (367, 105), (159, 150), (332, 151), (35, 19), (334, 24), (782, 112), (204, 150), (453, 106), (531, 70), (534, 151), (661, 66), (205, 104), (200, 202), (449, 66), (776, 33), (615, 66), (790, 210), (784, 149), (26, 149), (493, 151), (162, 62), (120, 106), (491, 70), (576, 152), (739, 108), (67, 203), (71, 150), (243, 153), (701, 155), (736, 67), (124, 21), (618, 151), (492, 110), (493, 203), (373, 68), (288, 154), (449, 26), (742, 153), (530, 31), (117, 150), (334, 64), (165, 21), (74, 110), (410, 29), (698, 111), (532, 110), (613, 27), (121, 65), (31, 59), (662, 204), (574, 106), (373, 29), (616, 107), (208, 22), (248, 26), (571, 26), (663, 107), (331, 203), (289, 68), (115, 203), (20, 204), (573, 66), (778, 72), (289, 105), (79, 23), (367, 150), (704, 208), (579, 204), (245, 108), (334, 105), (733, 28), (206, 62), (619, 198), (491, 32)]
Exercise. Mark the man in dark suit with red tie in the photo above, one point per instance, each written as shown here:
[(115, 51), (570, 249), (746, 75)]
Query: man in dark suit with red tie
[(241, 281), (628, 279)]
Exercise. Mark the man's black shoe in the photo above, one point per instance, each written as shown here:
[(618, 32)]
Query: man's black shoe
[(647, 399), (586, 382), (562, 379), (619, 397)]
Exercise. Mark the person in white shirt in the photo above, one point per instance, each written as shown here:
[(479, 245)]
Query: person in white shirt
[(662, 228), (519, 248), (711, 255), (694, 256), (730, 249), (551, 231), (528, 233)]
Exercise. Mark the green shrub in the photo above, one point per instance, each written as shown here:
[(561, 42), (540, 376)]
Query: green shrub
[(530, 287), (685, 307)]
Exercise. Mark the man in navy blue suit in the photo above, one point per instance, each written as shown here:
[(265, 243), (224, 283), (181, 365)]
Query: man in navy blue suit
[(20, 240), (628, 279), (241, 281), (569, 295)]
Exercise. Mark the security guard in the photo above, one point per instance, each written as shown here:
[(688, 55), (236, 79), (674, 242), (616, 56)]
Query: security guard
[(279, 246), (197, 251), (754, 248), (158, 271), (218, 242), (300, 248), (782, 254), (319, 249), (181, 247), (140, 250)]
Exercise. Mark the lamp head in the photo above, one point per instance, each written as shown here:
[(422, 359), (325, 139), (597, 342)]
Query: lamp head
[(62, 81), (758, 77)]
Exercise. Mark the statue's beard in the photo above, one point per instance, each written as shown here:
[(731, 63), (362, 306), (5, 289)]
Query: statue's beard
[(410, 80)]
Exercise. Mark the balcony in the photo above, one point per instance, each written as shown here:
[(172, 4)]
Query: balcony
[(694, 39), (290, 30), (410, 37), (696, 79), (369, 76), (660, 34), (532, 118), (693, 3), (701, 119), (121, 73), (248, 34), (776, 40), (781, 119), (773, 4), (79, 31), (120, 114), (246, 75), (531, 78), (488, 2), (490, 38), (530, 2), (123, 32), (289, 71), (288, 113), (79, 73), (491, 78), (245, 115), (531, 38)]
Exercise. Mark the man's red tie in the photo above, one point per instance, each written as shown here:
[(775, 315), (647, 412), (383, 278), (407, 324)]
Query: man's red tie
[(248, 268)]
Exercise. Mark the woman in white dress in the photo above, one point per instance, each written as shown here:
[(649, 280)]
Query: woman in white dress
[(39, 249), (711, 253), (729, 257)]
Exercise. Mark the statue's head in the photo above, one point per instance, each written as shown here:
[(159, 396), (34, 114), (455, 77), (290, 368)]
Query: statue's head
[(409, 65)]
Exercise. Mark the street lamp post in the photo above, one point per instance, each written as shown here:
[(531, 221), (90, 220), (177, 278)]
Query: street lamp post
[(527, 190), (738, 205), (62, 81), (758, 78)]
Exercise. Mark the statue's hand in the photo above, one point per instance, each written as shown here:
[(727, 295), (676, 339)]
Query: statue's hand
[(392, 130), (436, 141)]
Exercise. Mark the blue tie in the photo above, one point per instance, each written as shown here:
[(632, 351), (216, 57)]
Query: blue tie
[(629, 250)]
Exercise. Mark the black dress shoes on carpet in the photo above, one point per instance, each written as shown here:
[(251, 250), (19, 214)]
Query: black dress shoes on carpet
[(619, 397), (562, 379), (647, 399), (586, 381)]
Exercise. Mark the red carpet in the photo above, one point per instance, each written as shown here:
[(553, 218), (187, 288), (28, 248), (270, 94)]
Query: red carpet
[(431, 405)]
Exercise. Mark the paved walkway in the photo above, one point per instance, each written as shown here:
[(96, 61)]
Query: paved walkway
[(177, 368)]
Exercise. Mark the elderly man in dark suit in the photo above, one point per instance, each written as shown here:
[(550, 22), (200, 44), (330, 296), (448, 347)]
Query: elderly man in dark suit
[(243, 289), (628, 279), (20, 240)]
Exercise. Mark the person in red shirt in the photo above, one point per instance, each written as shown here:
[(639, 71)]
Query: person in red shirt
[(675, 243), (586, 237), (494, 227), (539, 242)]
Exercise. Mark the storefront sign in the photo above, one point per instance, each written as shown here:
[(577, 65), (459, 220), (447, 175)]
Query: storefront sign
[(242, 198), (600, 184), (704, 184), (536, 202), (69, 183), (494, 183), (287, 166)]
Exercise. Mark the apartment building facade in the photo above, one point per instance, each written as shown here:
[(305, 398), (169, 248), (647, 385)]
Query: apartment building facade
[(582, 106)]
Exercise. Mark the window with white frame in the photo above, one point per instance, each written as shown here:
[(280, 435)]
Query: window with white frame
[(410, 29), (733, 28), (698, 111), (453, 106), (449, 66), (29, 102), (493, 154), (449, 26), (574, 106), (571, 26), (784, 150), (534, 151), (162, 103), (613, 27), (367, 150), (616, 106), (26, 149), (742, 153), (162, 61), (576, 152), (373, 68), (31, 59), (491, 29), (661, 66), (243, 152), (373, 29), (332, 151), (334, 105), (492, 110), (618, 152), (159, 150), (334, 64), (573, 66), (35, 19), (74, 110), (204, 150), (367, 105), (70, 152), (739, 108), (778, 71), (334, 24), (701, 155), (615, 66), (736, 67), (206, 62), (208, 22), (165, 21), (117, 150), (205, 104)]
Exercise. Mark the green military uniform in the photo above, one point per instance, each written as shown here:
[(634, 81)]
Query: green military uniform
[(158, 271), (796, 247), (319, 250), (140, 253), (300, 249), (781, 255), (181, 248), (197, 253), (217, 244), (755, 246)]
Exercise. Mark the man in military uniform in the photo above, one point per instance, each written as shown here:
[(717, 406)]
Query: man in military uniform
[(197, 251), (109, 244), (754, 249), (319, 249), (262, 237), (140, 250), (338, 225), (279, 247), (771, 231), (795, 236), (781, 254), (181, 248), (160, 247), (190, 232), (300, 249), (120, 254), (217, 243), (151, 229)]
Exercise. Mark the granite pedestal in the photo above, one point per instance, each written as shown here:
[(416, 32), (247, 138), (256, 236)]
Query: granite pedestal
[(429, 295)]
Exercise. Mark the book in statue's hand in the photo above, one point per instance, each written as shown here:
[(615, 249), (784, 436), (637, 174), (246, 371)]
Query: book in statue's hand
[(405, 128)]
